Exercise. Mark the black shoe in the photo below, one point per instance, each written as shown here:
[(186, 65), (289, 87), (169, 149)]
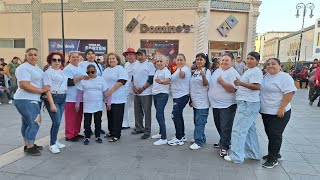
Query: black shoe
[(79, 136), (102, 131), (223, 152), (113, 139), (267, 156), (136, 132), (216, 145), (98, 140), (145, 136), (310, 103), (39, 148), (270, 164), (33, 151), (74, 139), (107, 135), (123, 128), (86, 141)]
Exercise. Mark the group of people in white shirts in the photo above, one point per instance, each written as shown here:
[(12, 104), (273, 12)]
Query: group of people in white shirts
[(83, 89)]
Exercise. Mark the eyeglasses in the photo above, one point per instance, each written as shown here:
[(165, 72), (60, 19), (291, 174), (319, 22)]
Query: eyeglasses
[(90, 72), (56, 60)]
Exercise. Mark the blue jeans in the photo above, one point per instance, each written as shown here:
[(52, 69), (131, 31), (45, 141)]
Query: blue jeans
[(200, 120), (177, 114), (244, 140), (9, 96), (30, 112), (160, 102), (223, 119), (60, 102)]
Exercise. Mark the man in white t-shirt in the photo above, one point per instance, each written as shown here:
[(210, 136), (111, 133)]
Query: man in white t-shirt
[(130, 56), (240, 66), (142, 87)]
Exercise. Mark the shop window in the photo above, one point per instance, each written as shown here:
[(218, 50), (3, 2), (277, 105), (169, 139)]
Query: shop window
[(169, 48), (12, 43)]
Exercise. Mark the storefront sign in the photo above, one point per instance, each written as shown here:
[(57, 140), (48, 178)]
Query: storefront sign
[(227, 25), (144, 28), (99, 46)]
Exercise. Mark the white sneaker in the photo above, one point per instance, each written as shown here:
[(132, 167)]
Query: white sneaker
[(195, 146), (175, 142), (160, 142), (10, 102), (59, 145), (184, 139), (227, 158), (0, 103), (54, 149), (156, 136)]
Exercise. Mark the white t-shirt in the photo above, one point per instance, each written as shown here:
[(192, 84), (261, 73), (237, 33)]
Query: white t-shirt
[(84, 65), (56, 79), (33, 74), (141, 75), (250, 76), (130, 67), (198, 92), (111, 76), (273, 88), (93, 94), (180, 86), (218, 96), (160, 88), (72, 72)]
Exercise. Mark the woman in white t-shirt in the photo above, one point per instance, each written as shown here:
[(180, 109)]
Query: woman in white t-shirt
[(199, 84), (92, 92), (222, 96), (91, 59), (160, 92), (116, 77), (244, 140), (27, 99), (56, 80), (277, 90), (180, 88)]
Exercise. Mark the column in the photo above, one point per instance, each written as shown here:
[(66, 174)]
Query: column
[(203, 27)]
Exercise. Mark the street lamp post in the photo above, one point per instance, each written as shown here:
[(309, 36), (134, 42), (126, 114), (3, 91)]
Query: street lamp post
[(62, 25), (304, 8)]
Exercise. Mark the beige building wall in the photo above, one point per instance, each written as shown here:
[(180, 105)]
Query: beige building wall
[(270, 49), (78, 25), (17, 1), (16, 26), (289, 45), (160, 18)]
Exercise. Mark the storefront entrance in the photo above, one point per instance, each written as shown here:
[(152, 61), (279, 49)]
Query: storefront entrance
[(217, 49)]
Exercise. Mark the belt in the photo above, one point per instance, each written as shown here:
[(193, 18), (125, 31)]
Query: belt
[(58, 92)]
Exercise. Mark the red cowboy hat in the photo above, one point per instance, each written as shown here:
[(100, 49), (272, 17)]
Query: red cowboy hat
[(129, 50)]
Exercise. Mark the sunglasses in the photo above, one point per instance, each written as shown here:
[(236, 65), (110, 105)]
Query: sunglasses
[(90, 72), (56, 60)]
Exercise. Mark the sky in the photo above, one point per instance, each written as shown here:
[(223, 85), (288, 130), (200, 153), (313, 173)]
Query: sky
[(279, 15)]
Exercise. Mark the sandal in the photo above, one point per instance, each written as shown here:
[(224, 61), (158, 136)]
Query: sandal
[(113, 139)]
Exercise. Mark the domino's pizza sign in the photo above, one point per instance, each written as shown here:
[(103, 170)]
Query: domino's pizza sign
[(227, 25)]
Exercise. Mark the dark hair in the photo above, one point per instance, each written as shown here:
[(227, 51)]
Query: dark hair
[(229, 55), (89, 50), (50, 56), (2, 59), (204, 56), (255, 55), (15, 58), (29, 49), (276, 59), (115, 55), (91, 66)]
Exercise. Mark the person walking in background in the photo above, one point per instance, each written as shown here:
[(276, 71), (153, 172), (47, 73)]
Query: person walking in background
[(27, 100), (199, 84), (4, 86), (92, 92), (239, 65), (72, 117), (12, 66), (160, 92), (222, 96), (130, 66), (142, 87), (180, 88), (316, 86), (311, 82), (303, 77), (56, 81), (244, 140), (116, 77), (277, 90)]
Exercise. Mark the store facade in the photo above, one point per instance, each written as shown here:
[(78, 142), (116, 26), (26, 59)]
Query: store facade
[(162, 27)]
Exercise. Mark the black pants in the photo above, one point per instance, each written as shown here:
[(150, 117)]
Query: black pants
[(316, 95), (303, 80), (115, 119), (274, 127), (311, 90), (97, 124)]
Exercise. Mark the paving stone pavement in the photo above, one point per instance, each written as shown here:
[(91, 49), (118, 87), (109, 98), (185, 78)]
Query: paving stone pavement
[(133, 158)]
